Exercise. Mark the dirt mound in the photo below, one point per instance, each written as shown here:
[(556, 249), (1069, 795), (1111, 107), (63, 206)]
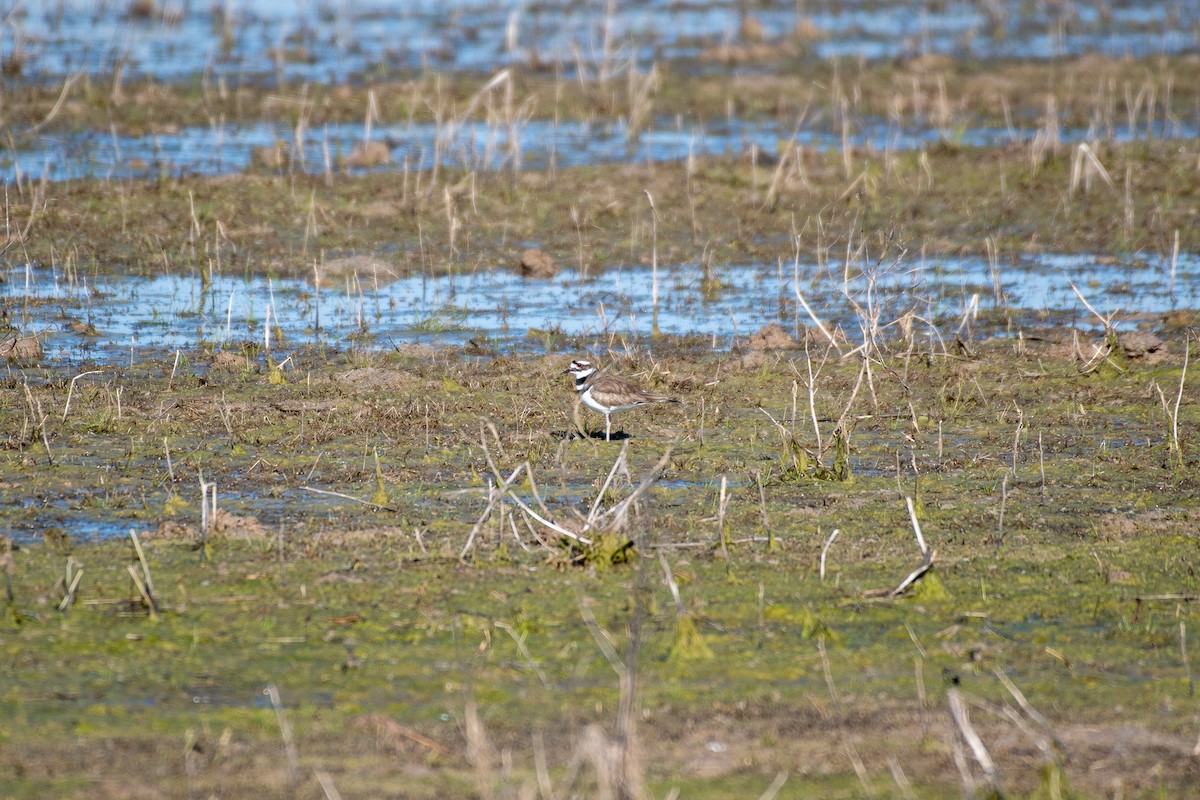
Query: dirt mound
[(368, 154), (375, 378), (229, 362), (1142, 344), (771, 337), (270, 157), (537, 264), (416, 350), (367, 268), (20, 347), (224, 525)]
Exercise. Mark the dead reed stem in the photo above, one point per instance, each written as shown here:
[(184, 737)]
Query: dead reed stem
[(69, 597), (915, 575), (519, 640), (496, 496), (1032, 712), (351, 498), (285, 731), (912, 515), (141, 554), (71, 388), (1187, 351), (825, 551), (762, 505), (962, 719), (327, 785), (775, 787), (143, 591), (1187, 666), (625, 765)]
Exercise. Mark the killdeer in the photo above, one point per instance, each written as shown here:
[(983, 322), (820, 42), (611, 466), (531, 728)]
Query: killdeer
[(609, 393)]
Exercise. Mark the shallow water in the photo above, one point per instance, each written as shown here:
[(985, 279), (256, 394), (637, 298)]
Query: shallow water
[(503, 311), (534, 144), (339, 40)]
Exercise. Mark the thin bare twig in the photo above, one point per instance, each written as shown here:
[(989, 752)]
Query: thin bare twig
[(962, 718), (348, 497)]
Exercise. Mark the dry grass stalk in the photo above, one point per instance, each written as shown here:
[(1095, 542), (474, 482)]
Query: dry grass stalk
[(71, 388), (912, 515), (519, 639), (613, 520), (640, 94), (618, 766), (775, 787), (671, 583), (141, 554), (1032, 712), (913, 576), (541, 768), (1173, 413), (1187, 665), (962, 719), (811, 385), (1003, 503), (762, 505), (494, 497), (69, 597), (902, 782), (392, 732), (653, 257), (351, 498), (327, 786), (722, 507), (142, 591), (1085, 166), (58, 104), (807, 308), (828, 672), (1174, 263), (825, 550), (480, 751), (771, 200), (34, 410), (285, 731), (143, 581), (6, 563), (1106, 321)]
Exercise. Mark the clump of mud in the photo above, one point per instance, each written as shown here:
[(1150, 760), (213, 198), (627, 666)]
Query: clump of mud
[(771, 337), (229, 362), (375, 378), (1143, 344), (271, 157), (224, 524), (417, 350), (366, 267), (368, 154), (20, 347), (537, 264)]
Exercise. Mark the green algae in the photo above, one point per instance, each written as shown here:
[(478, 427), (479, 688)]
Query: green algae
[(359, 610), (406, 637)]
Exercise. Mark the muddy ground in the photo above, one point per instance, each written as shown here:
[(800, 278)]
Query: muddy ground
[(702, 646), (1062, 519)]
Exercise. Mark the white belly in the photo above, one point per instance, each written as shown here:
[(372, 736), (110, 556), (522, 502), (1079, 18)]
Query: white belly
[(591, 403)]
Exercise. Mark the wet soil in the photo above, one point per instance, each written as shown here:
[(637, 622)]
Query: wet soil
[(1063, 522), (327, 598)]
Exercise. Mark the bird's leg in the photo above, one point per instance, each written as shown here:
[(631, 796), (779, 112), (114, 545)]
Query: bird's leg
[(607, 428)]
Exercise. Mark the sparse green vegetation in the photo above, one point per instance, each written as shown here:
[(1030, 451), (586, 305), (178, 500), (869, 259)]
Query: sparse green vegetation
[(948, 554), (367, 622)]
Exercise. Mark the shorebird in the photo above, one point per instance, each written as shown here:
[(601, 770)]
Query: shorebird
[(609, 393)]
